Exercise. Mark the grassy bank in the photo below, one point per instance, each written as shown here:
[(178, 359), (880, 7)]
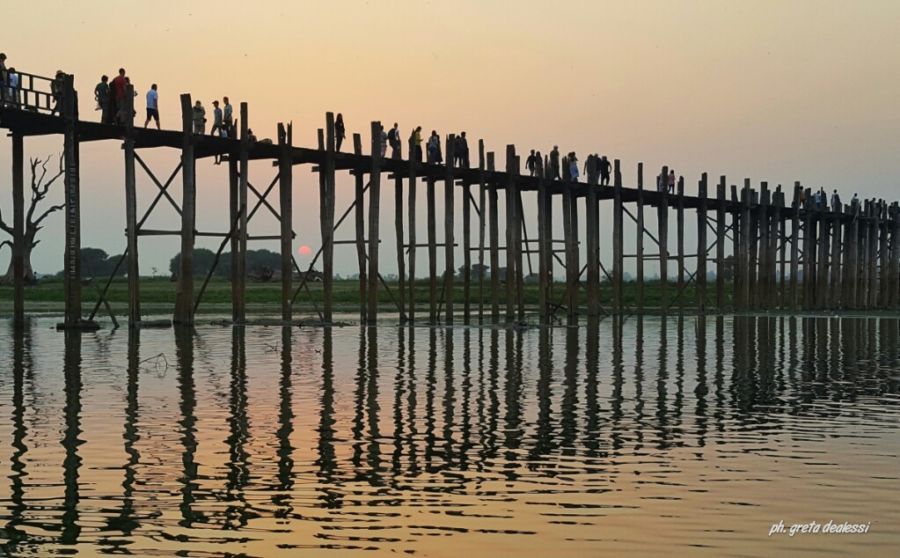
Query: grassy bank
[(159, 294)]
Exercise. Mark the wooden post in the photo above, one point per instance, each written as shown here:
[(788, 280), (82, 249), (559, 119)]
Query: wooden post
[(71, 178), (894, 277), (467, 254), (851, 269), (184, 297), (746, 233), (639, 239), (720, 244), (763, 270), (874, 228), (753, 248), (780, 244), (234, 212), (511, 222), (18, 247), (326, 210), (243, 233), (679, 217), (570, 219), (482, 218), (495, 239), (662, 215), (834, 298), (737, 242), (618, 241), (359, 218), (863, 268), (701, 245), (884, 257), (411, 283), (398, 232), (809, 253), (374, 217), (822, 263), (449, 202), (545, 245), (134, 279), (518, 231), (592, 237), (432, 252), (285, 197), (795, 246)]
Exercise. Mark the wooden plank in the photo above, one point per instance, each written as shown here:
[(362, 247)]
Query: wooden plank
[(701, 245), (18, 247), (184, 296), (592, 237), (327, 217), (495, 243), (679, 218), (285, 199), (374, 223), (618, 241), (662, 216), (449, 226), (639, 238), (411, 224), (359, 219), (482, 218), (720, 244), (72, 194), (134, 277)]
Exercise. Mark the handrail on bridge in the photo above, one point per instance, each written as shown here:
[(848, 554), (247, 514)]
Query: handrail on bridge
[(33, 92)]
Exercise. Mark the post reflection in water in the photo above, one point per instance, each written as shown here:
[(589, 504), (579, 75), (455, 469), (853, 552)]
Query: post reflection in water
[(450, 440)]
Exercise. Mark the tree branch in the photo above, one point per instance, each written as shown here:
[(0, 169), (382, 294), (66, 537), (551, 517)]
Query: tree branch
[(43, 216), (6, 243), (6, 228)]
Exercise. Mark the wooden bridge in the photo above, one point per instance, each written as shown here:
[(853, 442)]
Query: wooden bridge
[(783, 252)]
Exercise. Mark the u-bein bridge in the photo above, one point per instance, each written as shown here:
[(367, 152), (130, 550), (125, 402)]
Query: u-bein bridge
[(784, 253)]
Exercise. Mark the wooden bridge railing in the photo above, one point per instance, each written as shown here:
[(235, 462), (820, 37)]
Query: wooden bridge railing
[(35, 93)]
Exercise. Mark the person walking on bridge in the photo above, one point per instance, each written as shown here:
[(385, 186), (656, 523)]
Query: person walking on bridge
[(118, 97), (573, 166), (434, 148), (554, 163), (538, 165), (416, 142), (101, 95), (199, 118), (227, 117), (605, 169), (3, 78), (152, 106), (462, 148), (339, 132), (671, 181), (530, 163), (217, 127), (394, 141)]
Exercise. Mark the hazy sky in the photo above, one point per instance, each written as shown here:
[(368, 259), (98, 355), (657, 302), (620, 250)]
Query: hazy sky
[(777, 91)]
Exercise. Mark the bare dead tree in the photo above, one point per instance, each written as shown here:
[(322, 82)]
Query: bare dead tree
[(40, 187)]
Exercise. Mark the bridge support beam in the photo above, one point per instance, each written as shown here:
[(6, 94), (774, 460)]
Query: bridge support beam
[(662, 217), (285, 198), (131, 230), (411, 224), (18, 245), (72, 265), (184, 295), (449, 226), (494, 226), (374, 224)]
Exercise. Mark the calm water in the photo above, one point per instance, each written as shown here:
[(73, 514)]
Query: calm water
[(654, 437)]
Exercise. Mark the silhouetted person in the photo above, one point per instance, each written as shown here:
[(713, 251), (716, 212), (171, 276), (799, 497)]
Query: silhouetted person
[(199, 118), (12, 89), (339, 131), (605, 169), (152, 106), (416, 138), (671, 182), (434, 148), (538, 165), (573, 166), (835, 201), (228, 117), (530, 163), (118, 96), (547, 170), (101, 95), (554, 163), (566, 169), (462, 150), (394, 141), (3, 77), (384, 143)]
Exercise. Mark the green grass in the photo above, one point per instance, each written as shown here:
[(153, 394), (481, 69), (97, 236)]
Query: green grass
[(158, 294)]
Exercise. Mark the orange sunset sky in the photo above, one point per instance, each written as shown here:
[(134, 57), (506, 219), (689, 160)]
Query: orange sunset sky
[(770, 90)]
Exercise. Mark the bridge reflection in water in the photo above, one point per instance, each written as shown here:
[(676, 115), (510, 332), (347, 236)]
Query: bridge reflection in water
[(673, 435)]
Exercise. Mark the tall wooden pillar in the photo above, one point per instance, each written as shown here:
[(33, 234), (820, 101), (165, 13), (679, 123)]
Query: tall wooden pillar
[(482, 219), (398, 232), (720, 244), (679, 241), (894, 276), (374, 218), (764, 229), (494, 226), (809, 252), (874, 228), (851, 269), (184, 296), (618, 241), (234, 215), (467, 251), (449, 237), (240, 303), (432, 251), (545, 245), (795, 247), (639, 239), (326, 212), (592, 237), (822, 260), (71, 178), (134, 279), (512, 222), (780, 250), (753, 249), (737, 242), (18, 247), (662, 216), (701, 245), (834, 290), (285, 199), (746, 232), (411, 224), (359, 220)]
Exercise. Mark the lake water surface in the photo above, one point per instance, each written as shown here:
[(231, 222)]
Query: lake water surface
[(652, 437)]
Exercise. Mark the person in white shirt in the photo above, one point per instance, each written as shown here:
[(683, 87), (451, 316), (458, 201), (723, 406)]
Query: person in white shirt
[(152, 106)]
